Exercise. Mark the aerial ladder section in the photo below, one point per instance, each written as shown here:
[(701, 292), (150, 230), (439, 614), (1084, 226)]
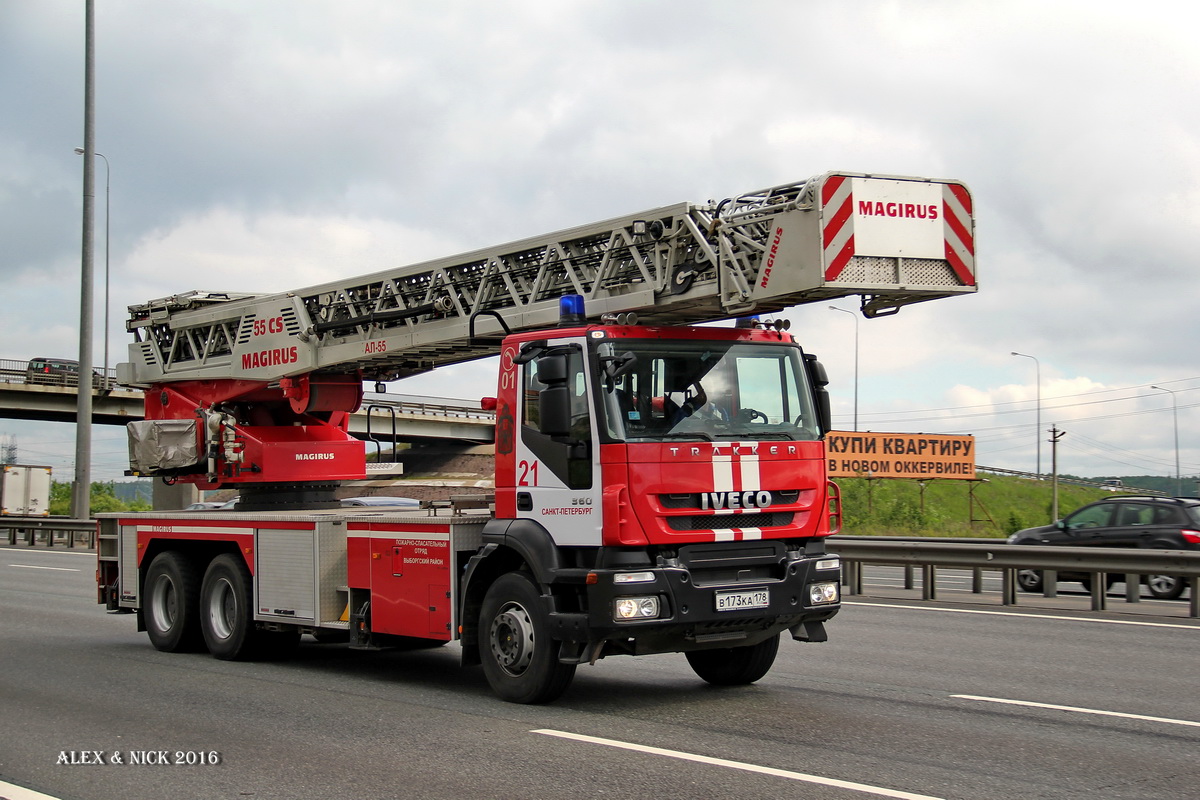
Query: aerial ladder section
[(891, 240)]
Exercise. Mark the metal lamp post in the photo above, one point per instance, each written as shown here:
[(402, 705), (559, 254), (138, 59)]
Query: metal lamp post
[(1038, 366), (1175, 415), (107, 217), (855, 316)]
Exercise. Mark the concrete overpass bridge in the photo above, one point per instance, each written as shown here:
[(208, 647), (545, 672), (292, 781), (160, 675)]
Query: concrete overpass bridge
[(53, 397)]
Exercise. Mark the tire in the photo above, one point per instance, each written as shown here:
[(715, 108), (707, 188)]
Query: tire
[(1165, 587), (1031, 580), (227, 615), (171, 610), (225, 608), (735, 666), (520, 659)]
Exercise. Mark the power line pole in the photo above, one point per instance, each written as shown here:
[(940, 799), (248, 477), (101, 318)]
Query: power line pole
[(1055, 435)]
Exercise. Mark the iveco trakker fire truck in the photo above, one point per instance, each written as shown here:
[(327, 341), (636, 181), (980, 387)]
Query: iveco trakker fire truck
[(660, 486)]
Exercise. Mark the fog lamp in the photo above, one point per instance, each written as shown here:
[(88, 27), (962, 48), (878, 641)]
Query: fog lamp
[(625, 608), (822, 593)]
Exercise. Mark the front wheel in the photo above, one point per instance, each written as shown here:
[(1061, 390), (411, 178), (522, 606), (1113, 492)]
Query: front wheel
[(520, 659), (735, 666)]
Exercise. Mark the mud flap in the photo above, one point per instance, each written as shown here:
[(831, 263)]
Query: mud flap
[(809, 632)]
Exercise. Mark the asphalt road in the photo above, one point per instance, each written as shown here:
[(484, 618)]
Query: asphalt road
[(905, 700)]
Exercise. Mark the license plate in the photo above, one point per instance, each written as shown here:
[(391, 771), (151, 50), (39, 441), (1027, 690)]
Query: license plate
[(737, 601)]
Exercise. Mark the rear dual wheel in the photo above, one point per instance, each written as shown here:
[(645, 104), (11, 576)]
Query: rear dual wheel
[(171, 610), (227, 614)]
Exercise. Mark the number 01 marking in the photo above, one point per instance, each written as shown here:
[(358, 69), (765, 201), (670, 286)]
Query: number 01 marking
[(529, 471)]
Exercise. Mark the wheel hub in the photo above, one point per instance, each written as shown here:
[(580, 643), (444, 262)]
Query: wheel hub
[(511, 639)]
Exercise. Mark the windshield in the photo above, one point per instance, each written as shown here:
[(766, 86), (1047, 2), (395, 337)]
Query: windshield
[(675, 389)]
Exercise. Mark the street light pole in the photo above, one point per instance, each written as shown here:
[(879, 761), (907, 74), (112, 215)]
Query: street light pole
[(1175, 415), (81, 499), (1038, 367), (107, 218), (855, 316)]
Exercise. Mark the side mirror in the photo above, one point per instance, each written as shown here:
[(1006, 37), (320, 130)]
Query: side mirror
[(819, 379), (554, 401)]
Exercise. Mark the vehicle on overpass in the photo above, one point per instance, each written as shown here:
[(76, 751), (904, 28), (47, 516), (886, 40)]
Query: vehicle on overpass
[(660, 485)]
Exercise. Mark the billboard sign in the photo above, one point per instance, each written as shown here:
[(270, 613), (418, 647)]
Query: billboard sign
[(920, 456)]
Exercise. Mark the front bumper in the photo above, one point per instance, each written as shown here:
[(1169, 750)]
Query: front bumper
[(689, 617)]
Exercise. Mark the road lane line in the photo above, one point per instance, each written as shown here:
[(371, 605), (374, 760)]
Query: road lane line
[(1077, 710), (58, 551), (1026, 616), (721, 762), (32, 566), (11, 791)]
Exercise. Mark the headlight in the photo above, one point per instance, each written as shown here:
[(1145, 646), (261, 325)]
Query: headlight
[(828, 563), (822, 593), (633, 577), (626, 608)]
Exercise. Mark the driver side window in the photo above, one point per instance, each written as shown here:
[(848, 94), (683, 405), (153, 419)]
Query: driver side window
[(1096, 516)]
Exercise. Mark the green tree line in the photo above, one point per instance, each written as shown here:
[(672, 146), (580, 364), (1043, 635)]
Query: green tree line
[(103, 498)]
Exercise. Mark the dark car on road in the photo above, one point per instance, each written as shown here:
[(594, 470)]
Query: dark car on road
[(1171, 523)]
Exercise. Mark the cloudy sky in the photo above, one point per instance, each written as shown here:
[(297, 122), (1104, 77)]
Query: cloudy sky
[(270, 145)]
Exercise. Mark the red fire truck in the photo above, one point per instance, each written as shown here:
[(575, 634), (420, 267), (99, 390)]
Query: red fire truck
[(660, 487)]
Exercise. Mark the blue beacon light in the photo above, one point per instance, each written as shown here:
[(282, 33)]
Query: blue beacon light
[(570, 310)]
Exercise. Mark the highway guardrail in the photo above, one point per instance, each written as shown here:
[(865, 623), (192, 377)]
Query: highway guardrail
[(996, 554)]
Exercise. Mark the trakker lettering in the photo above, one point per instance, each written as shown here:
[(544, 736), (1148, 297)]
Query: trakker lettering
[(771, 257), (737, 449), (723, 500), (866, 208), (270, 358)]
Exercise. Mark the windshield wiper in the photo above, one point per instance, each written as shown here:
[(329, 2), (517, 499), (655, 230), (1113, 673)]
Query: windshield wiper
[(688, 435), (764, 435)]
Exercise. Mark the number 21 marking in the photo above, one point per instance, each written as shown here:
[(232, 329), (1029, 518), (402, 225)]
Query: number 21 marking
[(529, 471)]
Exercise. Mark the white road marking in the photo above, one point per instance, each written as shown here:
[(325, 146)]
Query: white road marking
[(41, 551), (12, 792), (721, 762), (1077, 710), (56, 569), (1027, 616)]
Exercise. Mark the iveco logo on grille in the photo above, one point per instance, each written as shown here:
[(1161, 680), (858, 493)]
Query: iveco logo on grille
[(719, 500)]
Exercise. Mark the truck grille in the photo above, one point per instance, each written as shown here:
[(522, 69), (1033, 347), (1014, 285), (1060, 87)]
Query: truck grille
[(709, 522), (674, 501)]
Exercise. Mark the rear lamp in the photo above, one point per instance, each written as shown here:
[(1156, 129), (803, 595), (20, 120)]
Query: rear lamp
[(1191, 537), (822, 593), (629, 608)]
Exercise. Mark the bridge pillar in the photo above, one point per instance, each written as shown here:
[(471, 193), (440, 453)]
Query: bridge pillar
[(171, 498)]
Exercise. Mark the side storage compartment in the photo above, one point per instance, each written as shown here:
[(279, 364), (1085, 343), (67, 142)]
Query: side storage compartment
[(300, 574)]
